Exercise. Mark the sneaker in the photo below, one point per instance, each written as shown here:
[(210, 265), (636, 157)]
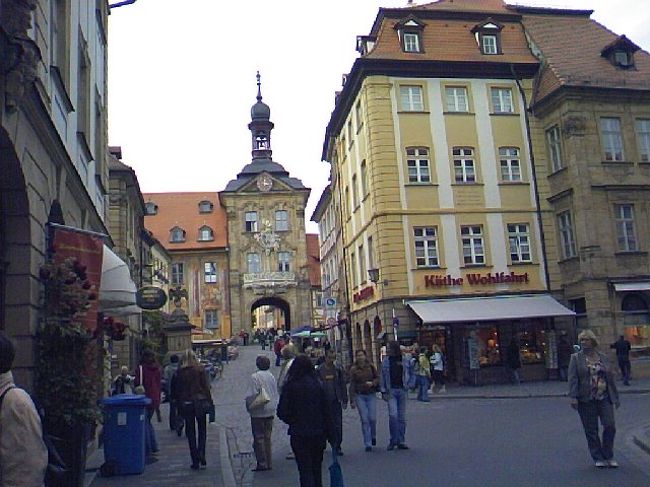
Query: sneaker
[(402, 446), (612, 463), (601, 464), (368, 448), (374, 442)]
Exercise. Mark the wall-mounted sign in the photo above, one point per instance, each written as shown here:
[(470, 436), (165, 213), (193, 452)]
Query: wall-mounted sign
[(475, 279), (150, 297), (365, 293), (330, 302)]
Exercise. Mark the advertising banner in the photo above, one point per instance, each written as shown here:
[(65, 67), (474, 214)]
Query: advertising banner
[(87, 250)]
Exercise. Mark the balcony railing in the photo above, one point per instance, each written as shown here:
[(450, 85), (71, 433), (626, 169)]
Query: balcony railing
[(269, 279)]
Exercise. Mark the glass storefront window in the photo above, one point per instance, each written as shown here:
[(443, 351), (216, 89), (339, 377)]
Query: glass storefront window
[(532, 342), (487, 340)]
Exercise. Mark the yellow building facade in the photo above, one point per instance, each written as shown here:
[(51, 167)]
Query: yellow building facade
[(441, 220)]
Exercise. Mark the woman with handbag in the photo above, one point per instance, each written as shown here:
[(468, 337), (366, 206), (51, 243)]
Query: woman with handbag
[(192, 390), (261, 402)]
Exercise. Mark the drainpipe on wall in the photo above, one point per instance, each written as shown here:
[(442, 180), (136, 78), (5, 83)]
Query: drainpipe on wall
[(538, 209)]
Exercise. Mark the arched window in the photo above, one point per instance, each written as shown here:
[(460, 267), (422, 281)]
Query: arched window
[(205, 234), (177, 234)]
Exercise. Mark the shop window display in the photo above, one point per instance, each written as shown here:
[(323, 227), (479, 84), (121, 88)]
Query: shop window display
[(487, 344), (532, 342)]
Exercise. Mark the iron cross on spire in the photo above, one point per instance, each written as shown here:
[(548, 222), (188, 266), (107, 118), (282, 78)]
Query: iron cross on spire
[(259, 87)]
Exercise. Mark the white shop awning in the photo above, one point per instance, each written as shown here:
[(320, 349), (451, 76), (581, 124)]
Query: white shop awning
[(488, 308), (116, 288), (632, 286)]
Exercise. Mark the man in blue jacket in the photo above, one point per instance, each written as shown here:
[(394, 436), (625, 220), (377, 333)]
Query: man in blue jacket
[(395, 374)]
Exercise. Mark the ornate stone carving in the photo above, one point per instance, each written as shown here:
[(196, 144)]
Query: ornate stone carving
[(20, 54), (267, 238)]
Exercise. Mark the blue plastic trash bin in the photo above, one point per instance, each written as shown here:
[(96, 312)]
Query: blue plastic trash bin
[(124, 417)]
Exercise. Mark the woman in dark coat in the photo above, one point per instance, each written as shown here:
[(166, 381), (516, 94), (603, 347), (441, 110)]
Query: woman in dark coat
[(190, 389), (303, 406)]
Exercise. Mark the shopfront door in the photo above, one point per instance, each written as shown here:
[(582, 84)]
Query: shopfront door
[(441, 336)]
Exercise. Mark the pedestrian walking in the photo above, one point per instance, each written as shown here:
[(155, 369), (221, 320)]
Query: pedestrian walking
[(437, 369), (288, 353), (277, 349), (262, 382), (303, 406), (364, 384), (593, 393), (148, 377), (175, 419), (335, 383), (192, 390), (262, 338), (23, 454), (564, 351), (394, 377), (423, 375), (623, 347), (123, 383), (513, 360)]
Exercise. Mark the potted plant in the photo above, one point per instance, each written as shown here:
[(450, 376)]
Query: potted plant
[(67, 380)]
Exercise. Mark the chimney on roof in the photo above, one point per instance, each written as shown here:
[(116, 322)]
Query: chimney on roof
[(115, 151)]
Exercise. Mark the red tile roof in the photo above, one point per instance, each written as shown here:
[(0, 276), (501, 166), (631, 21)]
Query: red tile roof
[(182, 210), (313, 259), (493, 6), (571, 47)]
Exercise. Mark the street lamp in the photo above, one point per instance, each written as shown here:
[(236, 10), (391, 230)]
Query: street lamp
[(373, 275)]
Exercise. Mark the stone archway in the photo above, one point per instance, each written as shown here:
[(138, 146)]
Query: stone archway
[(278, 308), (15, 244)]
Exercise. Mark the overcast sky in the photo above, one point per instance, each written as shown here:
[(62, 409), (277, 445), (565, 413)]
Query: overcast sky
[(182, 81)]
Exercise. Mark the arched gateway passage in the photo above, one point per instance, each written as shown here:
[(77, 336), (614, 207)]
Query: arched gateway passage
[(271, 312)]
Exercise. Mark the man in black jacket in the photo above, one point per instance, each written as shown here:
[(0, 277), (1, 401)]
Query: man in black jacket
[(336, 391), (623, 347)]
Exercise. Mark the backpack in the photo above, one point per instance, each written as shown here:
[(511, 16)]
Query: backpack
[(56, 467)]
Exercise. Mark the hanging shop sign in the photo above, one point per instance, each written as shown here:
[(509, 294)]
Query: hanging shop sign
[(151, 297), (475, 279), (363, 294)]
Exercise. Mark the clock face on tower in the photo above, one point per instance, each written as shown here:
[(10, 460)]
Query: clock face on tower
[(264, 182)]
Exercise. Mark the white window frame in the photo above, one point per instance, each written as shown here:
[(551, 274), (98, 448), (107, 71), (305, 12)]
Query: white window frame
[(567, 238), (519, 242), (642, 128), (510, 164), (284, 261), (456, 98), (210, 272), (464, 166), (417, 164), (205, 206), (253, 264), (250, 219), (281, 220), (554, 144), (205, 234), (502, 101), (211, 319), (612, 139), (177, 235), (489, 47), (473, 244), (425, 241), (625, 228), (411, 98), (177, 273), (411, 41)]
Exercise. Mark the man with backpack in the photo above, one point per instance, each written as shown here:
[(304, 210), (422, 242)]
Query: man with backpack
[(23, 454)]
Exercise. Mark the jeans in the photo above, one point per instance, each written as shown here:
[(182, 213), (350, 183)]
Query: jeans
[(309, 457), (423, 388), (150, 442), (173, 415), (192, 420), (397, 415), (278, 358), (626, 369), (367, 407), (564, 373), (589, 412)]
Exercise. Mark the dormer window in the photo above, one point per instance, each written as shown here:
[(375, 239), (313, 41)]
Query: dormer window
[(205, 234), (488, 37), (150, 208), (205, 207), (409, 32), (176, 235), (620, 52)]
